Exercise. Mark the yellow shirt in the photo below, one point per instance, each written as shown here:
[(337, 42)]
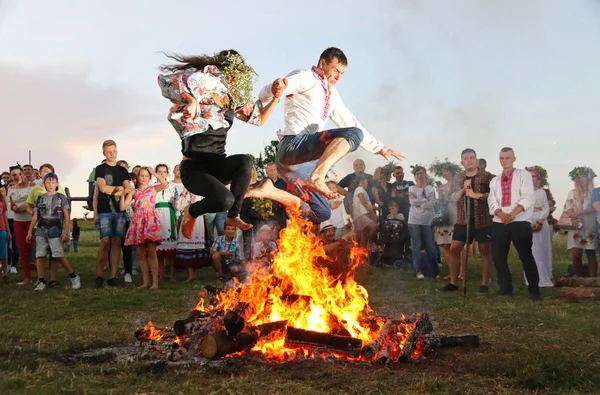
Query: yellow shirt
[(38, 191)]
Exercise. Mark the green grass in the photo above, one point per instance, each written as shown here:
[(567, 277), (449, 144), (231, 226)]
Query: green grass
[(527, 347)]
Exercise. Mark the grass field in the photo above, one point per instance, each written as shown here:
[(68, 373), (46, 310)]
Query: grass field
[(527, 346)]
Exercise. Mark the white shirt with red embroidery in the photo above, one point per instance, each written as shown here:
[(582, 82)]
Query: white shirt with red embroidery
[(521, 195), (309, 102)]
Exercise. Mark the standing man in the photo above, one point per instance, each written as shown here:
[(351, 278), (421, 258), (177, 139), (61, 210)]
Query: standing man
[(400, 191), (511, 202), (113, 182), (306, 151), (279, 216), (475, 184)]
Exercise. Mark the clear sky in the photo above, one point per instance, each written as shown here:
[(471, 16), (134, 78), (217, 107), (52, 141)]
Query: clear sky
[(428, 78)]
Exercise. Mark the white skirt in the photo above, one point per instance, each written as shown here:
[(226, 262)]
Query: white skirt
[(542, 252)]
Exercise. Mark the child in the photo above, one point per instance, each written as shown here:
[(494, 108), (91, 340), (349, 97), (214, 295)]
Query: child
[(225, 251), (51, 215), (144, 230), (264, 245), (192, 252), (364, 217), (75, 233), (5, 236)]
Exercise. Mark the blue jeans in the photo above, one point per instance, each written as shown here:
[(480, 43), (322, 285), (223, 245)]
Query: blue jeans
[(297, 157), (422, 239), (75, 244), (215, 220)]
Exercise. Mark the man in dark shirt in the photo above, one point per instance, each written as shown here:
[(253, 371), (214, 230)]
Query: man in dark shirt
[(400, 191), (113, 182), (348, 184)]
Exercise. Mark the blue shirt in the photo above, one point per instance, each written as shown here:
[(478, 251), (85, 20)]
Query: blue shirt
[(221, 245)]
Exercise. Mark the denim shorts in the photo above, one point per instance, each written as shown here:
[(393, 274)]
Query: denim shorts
[(112, 225), (3, 245)]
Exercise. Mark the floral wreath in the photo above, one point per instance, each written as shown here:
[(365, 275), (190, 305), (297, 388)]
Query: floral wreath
[(437, 167), (235, 69), (542, 172), (263, 206), (582, 171)]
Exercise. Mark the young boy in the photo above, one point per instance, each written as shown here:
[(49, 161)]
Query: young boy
[(225, 251), (113, 182), (5, 236), (51, 214)]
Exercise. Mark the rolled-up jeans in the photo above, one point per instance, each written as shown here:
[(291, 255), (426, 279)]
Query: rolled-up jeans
[(422, 239), (297, 157)]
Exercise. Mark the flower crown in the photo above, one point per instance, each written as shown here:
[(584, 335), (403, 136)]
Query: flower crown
[(582, 171), (240, 77), (437, 167), (542, 172)]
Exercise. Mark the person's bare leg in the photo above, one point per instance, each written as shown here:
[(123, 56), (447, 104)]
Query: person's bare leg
[(238, 223), (53, 269), (486, 262), (336, 150), (454, 261), (115, 255), (577, 254), (592, 263), (142, 259), (191, 274), (266, 190), (171, 268), (161, 268), (65, 263), (216, 258), (39, 265), (153, 263), (102, 255)]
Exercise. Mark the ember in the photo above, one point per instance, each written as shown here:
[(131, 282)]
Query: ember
[(296, 309)]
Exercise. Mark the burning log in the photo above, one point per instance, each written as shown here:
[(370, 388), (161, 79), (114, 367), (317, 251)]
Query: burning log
[(302, 338), (233, 320), (384, 354), (371, 349), (422, 326), (195, 320), (580, 293), (592, 282)]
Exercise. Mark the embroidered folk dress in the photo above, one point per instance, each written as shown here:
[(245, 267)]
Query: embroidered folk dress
[(195, 251), (165, 209), (583, 238), (145, 225)]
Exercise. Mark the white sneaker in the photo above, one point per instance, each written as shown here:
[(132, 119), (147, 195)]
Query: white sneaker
[(128, 278), (76, 282), (40, 286), (420, 276), (13, 270), (135, 272)]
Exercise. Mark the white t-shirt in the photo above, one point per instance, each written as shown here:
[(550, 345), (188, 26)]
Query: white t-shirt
[(337, 215), (19, 197), (357, 207)]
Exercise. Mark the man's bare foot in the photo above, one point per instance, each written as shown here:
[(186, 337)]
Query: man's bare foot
[(154, 287), (237, 222), (187, 227), (190, 279), (318, 185), (143, 286), (262, 190)]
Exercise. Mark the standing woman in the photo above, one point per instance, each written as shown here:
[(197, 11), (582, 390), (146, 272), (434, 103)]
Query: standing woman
[(542, 240), (208, 92), (165, 208), (17, 198), (443, 234), (579, 208)]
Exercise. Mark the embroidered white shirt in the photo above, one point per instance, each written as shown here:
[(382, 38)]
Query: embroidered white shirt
[(521, 195), (308, 104)]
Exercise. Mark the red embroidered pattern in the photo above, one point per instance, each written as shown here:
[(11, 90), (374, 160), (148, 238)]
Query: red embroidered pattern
[(506, 182), (319, 72)]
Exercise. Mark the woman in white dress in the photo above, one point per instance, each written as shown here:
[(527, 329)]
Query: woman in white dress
[(542, 241), (579, 208), (165, 208), (195, 251)]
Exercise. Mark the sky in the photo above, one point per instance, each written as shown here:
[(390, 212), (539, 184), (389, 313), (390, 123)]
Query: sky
[(427, 77)]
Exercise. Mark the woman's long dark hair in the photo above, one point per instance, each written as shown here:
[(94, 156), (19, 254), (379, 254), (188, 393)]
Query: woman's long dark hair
[(197, 62)]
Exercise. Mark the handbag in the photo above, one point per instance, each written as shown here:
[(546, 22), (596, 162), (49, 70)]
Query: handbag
[(441, 213), (567, 223)]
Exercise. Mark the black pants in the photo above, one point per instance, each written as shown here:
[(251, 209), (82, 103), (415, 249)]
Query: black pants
[(520, 234), (206, 175)]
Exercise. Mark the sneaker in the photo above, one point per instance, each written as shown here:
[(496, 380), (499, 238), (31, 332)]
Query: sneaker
[(113, 282), (484, 289), (40, 286), (450, 288), (76, 282), (420, 276), (135, 273), (13, 270), (98, 283), (128, 278)]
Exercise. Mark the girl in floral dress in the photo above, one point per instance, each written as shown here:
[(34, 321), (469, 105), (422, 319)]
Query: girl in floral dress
[(165, 208), (144, 230), (579, 208)]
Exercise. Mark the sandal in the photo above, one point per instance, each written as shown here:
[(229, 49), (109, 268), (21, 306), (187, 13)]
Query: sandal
[(53, 284)]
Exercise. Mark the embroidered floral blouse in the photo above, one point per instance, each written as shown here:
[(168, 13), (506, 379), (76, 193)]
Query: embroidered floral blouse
[(208, 87)]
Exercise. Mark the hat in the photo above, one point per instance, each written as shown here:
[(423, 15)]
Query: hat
[(51, 175), (324, 226)]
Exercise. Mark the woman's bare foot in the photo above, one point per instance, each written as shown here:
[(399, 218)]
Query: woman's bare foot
[(190, 279), (187, 227), (154, 287), (262, 190), (237, 222), (143, 286), (318, 185)]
